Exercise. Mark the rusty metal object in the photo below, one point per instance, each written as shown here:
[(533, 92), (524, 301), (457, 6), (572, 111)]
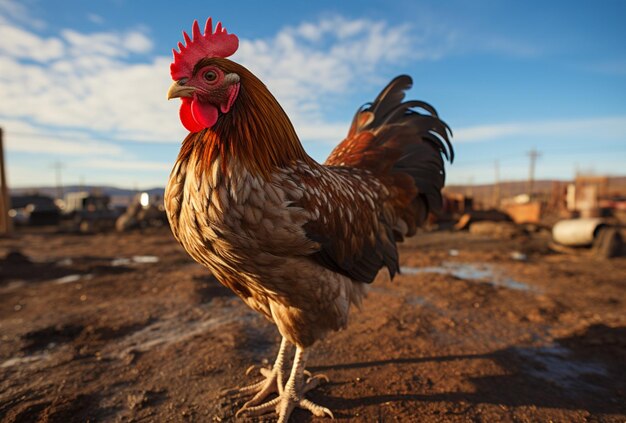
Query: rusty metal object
[(608, 243), (492, 229), (577, 232), (480, 215), (525, 213)]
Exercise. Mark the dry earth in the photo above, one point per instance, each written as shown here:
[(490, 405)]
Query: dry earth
[(125, 327)]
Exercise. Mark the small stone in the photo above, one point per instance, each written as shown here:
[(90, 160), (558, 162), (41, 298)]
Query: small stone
[(519, 256)]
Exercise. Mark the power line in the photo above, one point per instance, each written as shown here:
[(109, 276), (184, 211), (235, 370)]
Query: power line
[(88, 137), (534, 155), (496, 192), (58, 167)]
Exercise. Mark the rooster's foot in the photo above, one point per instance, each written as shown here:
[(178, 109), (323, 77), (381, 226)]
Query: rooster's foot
[(292, 395), (288, 400), (273, 382)]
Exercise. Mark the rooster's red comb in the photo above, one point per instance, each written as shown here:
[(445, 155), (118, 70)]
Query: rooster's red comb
[(210, 44)]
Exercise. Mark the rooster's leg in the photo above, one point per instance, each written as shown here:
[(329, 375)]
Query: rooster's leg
[(292, 395), (273, 382)]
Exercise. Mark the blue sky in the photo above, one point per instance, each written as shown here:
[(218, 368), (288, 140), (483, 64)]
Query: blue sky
[(84, 83)]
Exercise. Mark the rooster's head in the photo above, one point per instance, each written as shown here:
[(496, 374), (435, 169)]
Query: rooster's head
[(205, 88)]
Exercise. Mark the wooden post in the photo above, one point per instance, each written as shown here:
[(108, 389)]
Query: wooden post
[(534, 155), (496, 186), (6, 224)]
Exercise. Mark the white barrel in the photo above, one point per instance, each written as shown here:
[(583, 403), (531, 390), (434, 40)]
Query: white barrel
[(577, 232)]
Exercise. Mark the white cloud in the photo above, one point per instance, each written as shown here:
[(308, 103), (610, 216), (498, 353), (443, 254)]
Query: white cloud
[(603, 127), (306, 64), (87, 81), (137, 42), (22, 44), (106, 83), (84, 96), (609, 67), (324, 132), (108, 44), (309, 66), (95, 18), (88, 94), (102, 94), (134, 165), (103, 162), (17, 11), (25, 138)]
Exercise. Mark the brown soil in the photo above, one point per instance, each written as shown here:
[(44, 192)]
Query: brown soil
[(91, 332)]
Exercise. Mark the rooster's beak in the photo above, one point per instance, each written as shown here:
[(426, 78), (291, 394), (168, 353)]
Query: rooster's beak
[(177, 90)]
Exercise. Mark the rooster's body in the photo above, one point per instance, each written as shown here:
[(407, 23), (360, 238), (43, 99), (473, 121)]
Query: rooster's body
[(298, 241)]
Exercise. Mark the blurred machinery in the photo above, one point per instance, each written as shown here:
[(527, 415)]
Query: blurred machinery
[(88, 212), (144, 211), (34, 210)]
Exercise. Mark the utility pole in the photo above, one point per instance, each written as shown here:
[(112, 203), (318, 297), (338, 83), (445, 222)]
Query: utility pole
[(496, 187), (6, 224), (58, 167), (534, 155)]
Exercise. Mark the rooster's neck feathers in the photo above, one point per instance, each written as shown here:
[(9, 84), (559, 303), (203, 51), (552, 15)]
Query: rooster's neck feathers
[(256, 132)]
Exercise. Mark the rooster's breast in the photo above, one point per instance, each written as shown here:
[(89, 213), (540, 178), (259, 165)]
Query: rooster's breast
[(237, 224), (249, 233)]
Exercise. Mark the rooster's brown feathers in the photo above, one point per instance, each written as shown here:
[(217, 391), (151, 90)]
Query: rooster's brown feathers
[(389, 144), (296, 239)]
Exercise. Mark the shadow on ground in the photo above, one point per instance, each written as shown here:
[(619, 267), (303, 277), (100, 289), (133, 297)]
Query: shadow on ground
[(573, 373)]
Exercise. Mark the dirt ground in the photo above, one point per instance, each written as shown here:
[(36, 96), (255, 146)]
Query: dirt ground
[(125, 327)]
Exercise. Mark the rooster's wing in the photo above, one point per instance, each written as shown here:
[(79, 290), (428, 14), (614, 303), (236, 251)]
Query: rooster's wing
[(379, 185)]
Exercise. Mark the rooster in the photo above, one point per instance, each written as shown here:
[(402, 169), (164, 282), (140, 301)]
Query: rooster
[(296, 240)]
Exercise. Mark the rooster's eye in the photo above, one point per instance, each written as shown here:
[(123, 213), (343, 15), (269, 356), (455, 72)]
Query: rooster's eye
[(210, 76)]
